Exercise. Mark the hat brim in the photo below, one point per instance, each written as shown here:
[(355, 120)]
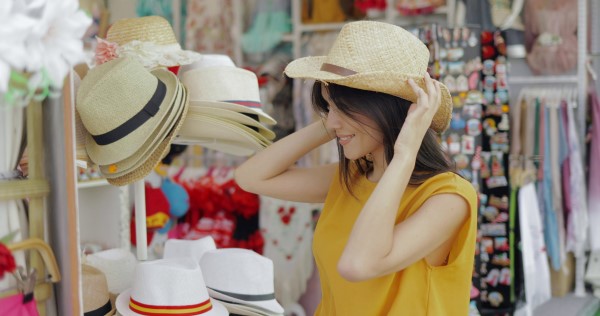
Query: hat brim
[(122, 305), (237, 117), (218, 135), (161, 151), (271, 306), (390, 82), (240, 309), (262, 116), (261, 139), (138, 158), (128, 145)]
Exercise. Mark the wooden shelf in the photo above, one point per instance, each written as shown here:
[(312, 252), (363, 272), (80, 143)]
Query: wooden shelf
[(92, 183)]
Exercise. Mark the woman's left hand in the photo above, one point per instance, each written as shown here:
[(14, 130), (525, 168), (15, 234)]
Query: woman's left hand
[(419, 115)]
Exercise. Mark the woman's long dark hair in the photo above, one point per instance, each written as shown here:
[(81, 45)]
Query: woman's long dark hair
[(388, 112)]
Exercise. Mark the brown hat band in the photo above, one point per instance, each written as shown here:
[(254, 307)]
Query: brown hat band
[(335, 69)]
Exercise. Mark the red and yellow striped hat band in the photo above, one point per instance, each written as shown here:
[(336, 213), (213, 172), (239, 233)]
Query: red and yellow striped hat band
[(159, 310)]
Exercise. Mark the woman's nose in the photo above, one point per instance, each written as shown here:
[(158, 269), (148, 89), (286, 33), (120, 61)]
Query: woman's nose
[(333, 120)]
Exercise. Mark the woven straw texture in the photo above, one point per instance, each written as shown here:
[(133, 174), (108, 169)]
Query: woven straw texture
[(161, 151), (129, 164), (94, 289), (110, 95), (153, 29), (384, 57)]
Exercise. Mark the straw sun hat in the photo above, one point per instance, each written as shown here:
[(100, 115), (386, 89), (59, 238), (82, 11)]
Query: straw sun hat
[(150, 39), (96, 298), (375, 56)]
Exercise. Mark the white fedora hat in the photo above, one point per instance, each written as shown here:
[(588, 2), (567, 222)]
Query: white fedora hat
[(118, 265), (218, 135), (375, 56), (168, 286), (178, 248), (241, 309), (121, 103), (207, 60), (232, 116), (94, 290), (240, 276), (128, 164), (225, 87)]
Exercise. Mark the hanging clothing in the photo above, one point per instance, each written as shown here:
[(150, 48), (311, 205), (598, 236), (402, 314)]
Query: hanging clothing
[(533, 249), (577, 222), (551, 233), (209, 27), (557, 157), (419, 289), (594, 174)]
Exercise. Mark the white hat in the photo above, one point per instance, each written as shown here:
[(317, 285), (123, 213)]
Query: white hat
[(241, 309), (180, 248), (240, 276), (207, 60), (226, 87), (219, 135), (232, 116), (174, 284), (118, 265)]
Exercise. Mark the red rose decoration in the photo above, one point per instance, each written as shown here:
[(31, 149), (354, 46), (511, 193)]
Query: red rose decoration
[(7, 261)]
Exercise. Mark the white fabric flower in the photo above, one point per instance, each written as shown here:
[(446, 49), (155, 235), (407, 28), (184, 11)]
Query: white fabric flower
[(153, 55), (55, 42)]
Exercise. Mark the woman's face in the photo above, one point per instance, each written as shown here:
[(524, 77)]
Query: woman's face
[(358, 136)]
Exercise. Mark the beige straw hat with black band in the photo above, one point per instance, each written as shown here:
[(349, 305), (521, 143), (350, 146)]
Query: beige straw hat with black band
[(159, 153), (121, 104), (375, 56), (136, 160)]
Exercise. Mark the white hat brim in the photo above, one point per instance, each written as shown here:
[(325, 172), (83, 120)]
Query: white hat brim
[(240, 309), (390, 82), (212, 133), (262, 116), (270, 305), (122, 303), (237, 117)]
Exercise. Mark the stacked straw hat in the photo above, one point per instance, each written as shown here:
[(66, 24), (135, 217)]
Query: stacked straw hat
[(375, 56), (151, 40), (225, 108), (131, 115)]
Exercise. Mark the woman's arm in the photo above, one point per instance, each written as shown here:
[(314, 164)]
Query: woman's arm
[(271, 172), (376, 245)]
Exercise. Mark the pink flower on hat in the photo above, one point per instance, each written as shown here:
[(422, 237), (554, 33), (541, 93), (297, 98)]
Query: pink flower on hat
[(106, 51)]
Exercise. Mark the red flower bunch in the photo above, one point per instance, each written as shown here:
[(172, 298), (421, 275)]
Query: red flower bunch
[(7, 261)]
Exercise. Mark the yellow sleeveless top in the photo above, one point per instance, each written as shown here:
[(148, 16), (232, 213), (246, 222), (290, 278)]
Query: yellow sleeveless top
[(419, 289)]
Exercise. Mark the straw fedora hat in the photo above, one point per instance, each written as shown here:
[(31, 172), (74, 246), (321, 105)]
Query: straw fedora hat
[(178, 248), (258, 134), (217, 134), (245, 310), (175, 285), (151, 40), (120, 104), (240, 276), (94, 289), (156, 138), (375, 56), (118, 266), (141, 171), (229, 88)]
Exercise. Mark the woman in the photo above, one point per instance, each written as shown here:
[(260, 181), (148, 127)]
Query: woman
[(397, 232)]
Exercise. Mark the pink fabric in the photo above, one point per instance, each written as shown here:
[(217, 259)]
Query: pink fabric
[(209, 27), (550, 35), (594, 175), (13, 306)]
